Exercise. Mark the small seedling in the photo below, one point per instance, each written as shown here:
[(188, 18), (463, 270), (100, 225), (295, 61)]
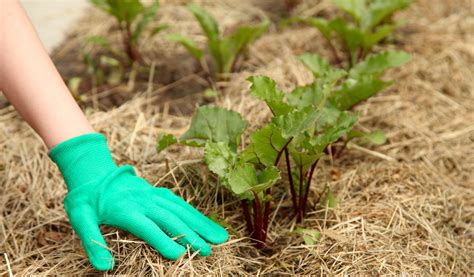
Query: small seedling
[(357, 84), (132, 18), (360, 82), (102, 67), (371, 21), (226, 51), (310, 236)]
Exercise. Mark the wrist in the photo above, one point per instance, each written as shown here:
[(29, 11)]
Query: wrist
[(83, 159)]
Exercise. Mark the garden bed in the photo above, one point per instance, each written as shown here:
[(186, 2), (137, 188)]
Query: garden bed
[(405, 207)]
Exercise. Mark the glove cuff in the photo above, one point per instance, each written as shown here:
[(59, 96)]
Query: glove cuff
[(83, 159)]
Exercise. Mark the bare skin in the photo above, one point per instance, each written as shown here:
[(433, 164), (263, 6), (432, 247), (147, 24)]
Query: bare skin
[(31, 82)]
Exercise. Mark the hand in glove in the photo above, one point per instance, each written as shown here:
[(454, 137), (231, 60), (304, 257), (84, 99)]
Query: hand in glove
[(102, 193)]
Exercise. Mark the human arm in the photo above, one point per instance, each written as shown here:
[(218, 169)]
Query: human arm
[(30, 81)]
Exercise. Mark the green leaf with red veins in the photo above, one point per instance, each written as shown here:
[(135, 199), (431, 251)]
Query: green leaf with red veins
[(219, 158), (244, 180), (215, 124), (353, 92), (266, 143), (296, 122), (344, 124), (266, 89)]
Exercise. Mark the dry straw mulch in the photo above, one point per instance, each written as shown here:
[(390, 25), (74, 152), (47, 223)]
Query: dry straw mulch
[(406, 207)]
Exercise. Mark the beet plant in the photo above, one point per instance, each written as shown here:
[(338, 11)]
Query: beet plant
[(370, 21), (324, 124), (132, 18), (361, 81), (219, 132), (297, 132), (226, 51), (357, 84)]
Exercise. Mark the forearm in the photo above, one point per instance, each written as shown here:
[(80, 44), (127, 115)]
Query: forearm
[(31, 82)]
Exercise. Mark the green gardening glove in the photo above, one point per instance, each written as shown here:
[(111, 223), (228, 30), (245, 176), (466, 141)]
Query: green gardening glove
[(102, 193)]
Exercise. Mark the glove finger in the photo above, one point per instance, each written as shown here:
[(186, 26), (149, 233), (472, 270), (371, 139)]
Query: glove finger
[(84, 222), (144, 228), (175, 227), (206, 228)]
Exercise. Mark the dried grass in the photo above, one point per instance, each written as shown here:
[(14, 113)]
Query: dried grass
[(406, 207)]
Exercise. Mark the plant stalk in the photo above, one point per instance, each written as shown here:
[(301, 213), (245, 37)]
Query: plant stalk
[(306, 193), (248, 219), (334, 52), (266, 216), (129, 46), (258, 226), (290, 179), (299, 218)]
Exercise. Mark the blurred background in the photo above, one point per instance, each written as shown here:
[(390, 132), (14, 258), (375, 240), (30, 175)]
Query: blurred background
[(52, 18)]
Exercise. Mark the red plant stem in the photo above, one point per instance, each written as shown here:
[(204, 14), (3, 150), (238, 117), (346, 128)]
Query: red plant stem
[(300, 192), (257, 219), (334, 52), (360, 55), (208, 76), (285, 147), (130, 49), (338, 153), (306, 193), (233, 67), (290, 179), (248, 220), (266, 216)]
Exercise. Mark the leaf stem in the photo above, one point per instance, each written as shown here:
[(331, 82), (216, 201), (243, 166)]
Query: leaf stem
[(299, 218), (290, 179), (284, 149), (258, 226), (306, 193), (233, 67), (360, 55), (338, 153), (248, 219), (266, 216), (128, 45), (334, 52)]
